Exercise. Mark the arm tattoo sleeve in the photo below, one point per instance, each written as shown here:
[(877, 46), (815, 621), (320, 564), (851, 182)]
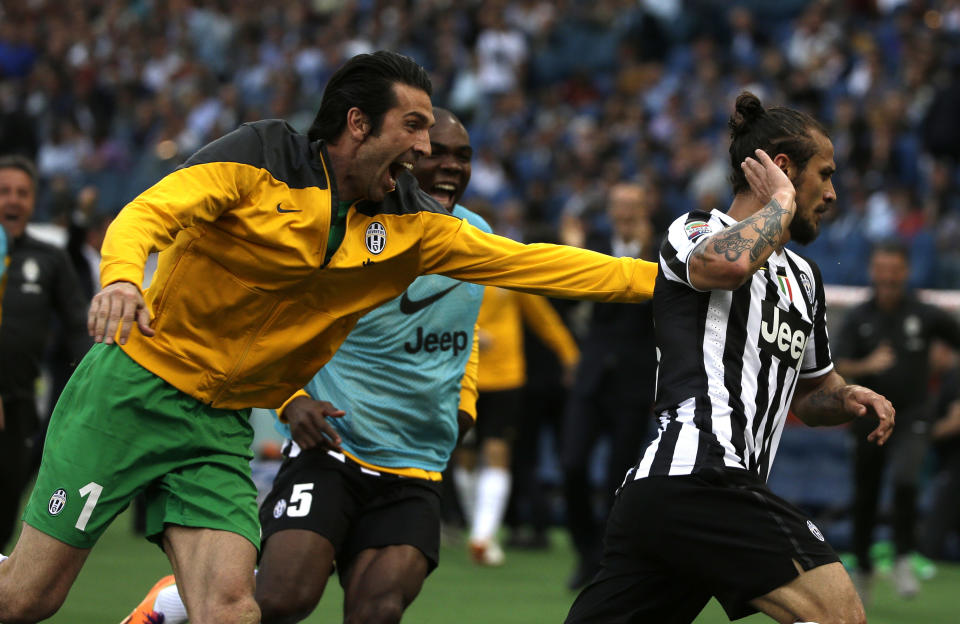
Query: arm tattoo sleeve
[(731, 245), (763, 229), (768, 232)]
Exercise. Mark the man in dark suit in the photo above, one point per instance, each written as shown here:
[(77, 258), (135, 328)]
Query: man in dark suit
[(614, 386), (41, 286)]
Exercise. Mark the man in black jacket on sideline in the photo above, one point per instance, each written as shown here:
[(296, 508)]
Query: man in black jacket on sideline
[(41, 284)]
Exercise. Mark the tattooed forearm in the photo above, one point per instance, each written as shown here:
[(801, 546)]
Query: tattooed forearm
[(720, 261), (770, 231), (824, 401), (731, 245), (763, 230)]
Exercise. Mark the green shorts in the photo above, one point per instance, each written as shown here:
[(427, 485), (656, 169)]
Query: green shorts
[(119, 430)]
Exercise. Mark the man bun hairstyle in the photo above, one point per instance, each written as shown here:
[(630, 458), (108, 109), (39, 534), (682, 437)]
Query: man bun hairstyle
[(775, 130), (365, 81)]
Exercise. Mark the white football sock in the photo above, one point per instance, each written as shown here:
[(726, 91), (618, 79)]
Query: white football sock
[(170, 604), (465, 482), (493, 490), (3, 558)]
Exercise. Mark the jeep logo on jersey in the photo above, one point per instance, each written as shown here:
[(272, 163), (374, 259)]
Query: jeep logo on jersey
[(376, 237), (445, 341), (57, 502), (783, 333)]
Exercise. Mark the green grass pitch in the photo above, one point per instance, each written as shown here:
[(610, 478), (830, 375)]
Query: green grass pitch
[(528, 589)]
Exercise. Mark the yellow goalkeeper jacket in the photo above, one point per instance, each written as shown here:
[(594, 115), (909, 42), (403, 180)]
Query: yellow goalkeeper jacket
[(244, 308)]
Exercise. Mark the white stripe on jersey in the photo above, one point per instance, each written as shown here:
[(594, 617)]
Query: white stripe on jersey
[(730, 360)]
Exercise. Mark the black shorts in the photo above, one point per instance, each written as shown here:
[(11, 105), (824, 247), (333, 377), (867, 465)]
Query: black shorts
[(498, 414), (353, 507), (673, 542)]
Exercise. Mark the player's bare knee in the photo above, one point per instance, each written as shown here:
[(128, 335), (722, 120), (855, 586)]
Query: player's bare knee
[(23, 608), (386, 609), (285, 608), (242, 610), (842, 614)]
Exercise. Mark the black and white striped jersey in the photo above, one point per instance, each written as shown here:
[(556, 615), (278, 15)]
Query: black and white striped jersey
[(729, 361)]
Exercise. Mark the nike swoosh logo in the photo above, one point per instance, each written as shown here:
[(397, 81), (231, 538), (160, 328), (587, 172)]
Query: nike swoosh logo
[(286, 210), (409, 306)]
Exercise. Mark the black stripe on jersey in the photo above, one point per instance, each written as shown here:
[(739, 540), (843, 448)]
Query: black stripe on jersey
[(820, 318), (679, 314), (764, 463), (698, 215), (669, 254), (269, 144), (709, 450), (668, 443), (762, 400), (803, 291), (733, 349), (702, 408)]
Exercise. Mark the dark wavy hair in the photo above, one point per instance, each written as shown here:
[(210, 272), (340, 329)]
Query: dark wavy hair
[(24, 164), (365, 81), (775, 130)]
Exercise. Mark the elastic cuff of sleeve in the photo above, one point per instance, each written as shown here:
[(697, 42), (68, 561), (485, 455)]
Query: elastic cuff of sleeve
[(297, 394)]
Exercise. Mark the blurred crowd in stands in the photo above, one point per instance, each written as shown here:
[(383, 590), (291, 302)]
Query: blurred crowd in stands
[(562, 98)]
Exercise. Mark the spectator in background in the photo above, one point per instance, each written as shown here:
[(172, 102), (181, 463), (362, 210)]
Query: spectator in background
[(648, 77), (885, 344), (4, 261), (501, 53), (485, 490), (613, 389), (943, 517), (530, 512), (41, 286), (85, 231), (85, 234)]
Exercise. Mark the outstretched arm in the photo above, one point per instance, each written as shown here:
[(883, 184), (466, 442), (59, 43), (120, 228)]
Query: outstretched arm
[(729, 258), (829, 400), (457, 249)]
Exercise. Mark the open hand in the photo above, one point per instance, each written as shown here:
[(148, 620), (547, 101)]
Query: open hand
[(882, 358), (861, 401), (765, 178)]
